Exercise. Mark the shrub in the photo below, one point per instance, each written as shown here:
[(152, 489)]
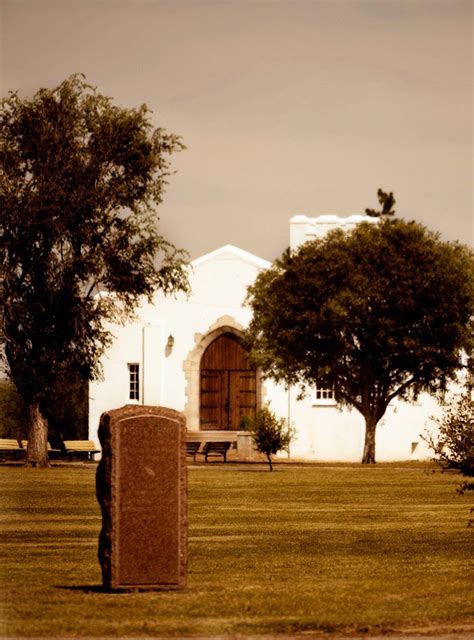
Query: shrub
[(270, 434), (453, 444)]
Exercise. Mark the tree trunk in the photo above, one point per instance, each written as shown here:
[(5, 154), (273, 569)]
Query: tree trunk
[(37, 452), (368, 457), (269, 458)]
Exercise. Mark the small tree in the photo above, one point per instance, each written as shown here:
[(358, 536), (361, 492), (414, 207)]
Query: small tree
[(270, 434), (379, 313), (80, 179), (453, 440)]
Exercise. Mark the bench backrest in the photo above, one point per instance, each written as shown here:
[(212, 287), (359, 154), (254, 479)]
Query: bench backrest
[(9, 444), (218, 447), (80, 445), (24, 444)]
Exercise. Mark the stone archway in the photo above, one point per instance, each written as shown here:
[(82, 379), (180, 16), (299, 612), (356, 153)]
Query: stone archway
[(191, 366)]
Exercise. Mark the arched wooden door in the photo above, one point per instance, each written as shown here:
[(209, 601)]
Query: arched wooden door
[(228, 384)]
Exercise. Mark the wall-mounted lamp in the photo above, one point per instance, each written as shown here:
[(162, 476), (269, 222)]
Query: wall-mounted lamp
[(170, 342)]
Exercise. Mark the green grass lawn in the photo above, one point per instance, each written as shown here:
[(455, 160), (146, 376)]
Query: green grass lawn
[(305, 548)]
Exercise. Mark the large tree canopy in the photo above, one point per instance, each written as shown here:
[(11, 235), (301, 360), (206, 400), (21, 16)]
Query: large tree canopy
[(80, 179), (378, 313)]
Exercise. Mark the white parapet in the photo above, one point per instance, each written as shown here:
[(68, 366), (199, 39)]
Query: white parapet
[(303, 228)]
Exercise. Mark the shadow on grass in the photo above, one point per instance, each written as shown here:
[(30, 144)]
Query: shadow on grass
[(98, 588), (244, 467), (256, 470), (85, 588)]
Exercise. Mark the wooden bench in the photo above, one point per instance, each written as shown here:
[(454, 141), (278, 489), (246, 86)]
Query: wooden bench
[(216, 449), (11, 446), (80, 448), (51, 451), (192, 448)]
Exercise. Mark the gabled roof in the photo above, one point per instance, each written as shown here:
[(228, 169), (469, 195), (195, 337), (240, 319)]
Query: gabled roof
[(232, 252)]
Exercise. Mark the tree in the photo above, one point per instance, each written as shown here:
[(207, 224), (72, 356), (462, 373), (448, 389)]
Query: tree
[(12, 411), (66, 409), (270, 434), (80, 179), (453, 441), (379, 313), (387, 202)]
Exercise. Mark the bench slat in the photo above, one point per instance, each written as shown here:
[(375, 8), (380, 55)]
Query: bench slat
[(24, 444), (9, 444), (81, 446)]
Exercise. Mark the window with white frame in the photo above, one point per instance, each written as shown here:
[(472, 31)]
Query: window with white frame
[(324, 395), (134, 381)]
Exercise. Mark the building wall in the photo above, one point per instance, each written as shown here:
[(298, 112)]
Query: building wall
[(219, 285), (170, 377), (303, 229), (328, 433)]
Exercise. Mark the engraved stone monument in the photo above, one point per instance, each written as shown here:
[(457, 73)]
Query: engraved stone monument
[(142, 491)]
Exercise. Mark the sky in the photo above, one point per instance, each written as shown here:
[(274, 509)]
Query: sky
[(285, 107)]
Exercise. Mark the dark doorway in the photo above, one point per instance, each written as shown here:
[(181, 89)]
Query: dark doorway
[(228, 384)]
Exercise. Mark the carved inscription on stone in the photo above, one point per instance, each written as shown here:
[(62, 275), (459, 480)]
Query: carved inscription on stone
[(141, 487)]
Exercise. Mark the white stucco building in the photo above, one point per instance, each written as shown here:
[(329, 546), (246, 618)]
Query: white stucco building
[(185, 353)]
